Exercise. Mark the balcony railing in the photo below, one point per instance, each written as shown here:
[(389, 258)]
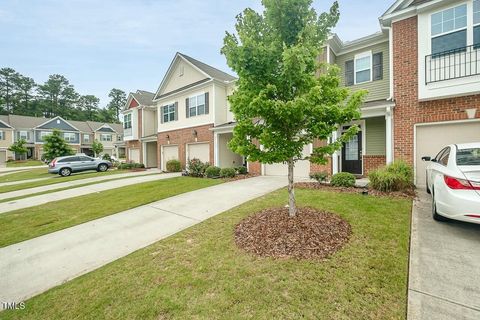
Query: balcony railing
[(452, 64)]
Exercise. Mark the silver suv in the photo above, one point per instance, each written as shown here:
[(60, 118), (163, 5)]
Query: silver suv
[(64, 166)]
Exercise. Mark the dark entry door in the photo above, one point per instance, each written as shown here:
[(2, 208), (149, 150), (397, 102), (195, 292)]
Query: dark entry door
[(352, 155)]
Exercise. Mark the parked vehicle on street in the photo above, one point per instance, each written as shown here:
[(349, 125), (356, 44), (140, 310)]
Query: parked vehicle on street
[(453, 180), (65, 166)]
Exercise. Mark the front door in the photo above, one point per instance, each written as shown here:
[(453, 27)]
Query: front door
[(352, 155)]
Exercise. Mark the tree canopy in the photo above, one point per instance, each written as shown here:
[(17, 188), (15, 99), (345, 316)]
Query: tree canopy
[(21, 95), (280, 104)]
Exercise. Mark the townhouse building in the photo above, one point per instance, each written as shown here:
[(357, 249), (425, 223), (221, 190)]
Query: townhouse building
[(79, 135), (422, 72)]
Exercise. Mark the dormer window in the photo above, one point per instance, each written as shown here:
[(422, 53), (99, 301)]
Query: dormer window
[(449, 29)]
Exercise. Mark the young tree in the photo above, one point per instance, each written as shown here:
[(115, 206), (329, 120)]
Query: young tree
[(97, 147), (55, 146), (279, 104), (118, 100), (19, 148)]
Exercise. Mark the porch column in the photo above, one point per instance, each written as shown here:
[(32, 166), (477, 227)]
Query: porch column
[(334, 155), (389, 135), (216, 158)]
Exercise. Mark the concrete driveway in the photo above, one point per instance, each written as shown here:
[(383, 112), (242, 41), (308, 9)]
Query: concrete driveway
[(444, 281), (34, 266)]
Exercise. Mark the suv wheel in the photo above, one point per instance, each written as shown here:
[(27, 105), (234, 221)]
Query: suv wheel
[(65, 172), (102, 167)]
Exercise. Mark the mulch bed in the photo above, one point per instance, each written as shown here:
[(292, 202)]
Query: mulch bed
[(311, 234), (241, 177), (319, 186)]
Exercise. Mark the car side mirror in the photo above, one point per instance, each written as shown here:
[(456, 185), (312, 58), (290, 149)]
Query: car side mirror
[(426, 159)]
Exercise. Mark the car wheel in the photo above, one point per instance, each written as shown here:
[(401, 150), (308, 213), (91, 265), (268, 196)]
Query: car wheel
[(65, 172), (102, 167), (435, 214)]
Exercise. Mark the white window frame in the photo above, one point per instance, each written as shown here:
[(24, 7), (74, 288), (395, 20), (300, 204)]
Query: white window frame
[(127, 118), (86, 140), (20, 135), (2, 135), (67, 136), (103, 137), (454, 29), (191, 106), (473, 13), (361, 56), (168, 106), (43, 134)]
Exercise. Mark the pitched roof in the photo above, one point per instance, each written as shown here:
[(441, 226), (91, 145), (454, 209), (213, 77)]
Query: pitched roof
[(211, 71), (144, 98), (417, 2), (28, 122)]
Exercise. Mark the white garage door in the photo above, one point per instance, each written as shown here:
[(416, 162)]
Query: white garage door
[(169, 153), (430, 139), (108, 151), (3, 156), (302, 167), (199, 151), (134, 155)]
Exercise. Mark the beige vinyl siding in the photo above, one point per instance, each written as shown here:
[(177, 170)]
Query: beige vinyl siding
[(375, 136), (377, 90)]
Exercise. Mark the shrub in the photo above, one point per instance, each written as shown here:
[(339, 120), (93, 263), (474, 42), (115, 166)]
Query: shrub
[(139, 165), (131, 165), (397, 176), (319, 176), (227, 172), (241, 170), (343, 179), (107, 157), (196, 168), (174, 166), (212, 172)]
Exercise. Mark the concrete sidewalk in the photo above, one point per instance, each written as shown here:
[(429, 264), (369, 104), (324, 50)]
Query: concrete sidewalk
[(61, 185), (80, 191), (444, 281), (34, 266)]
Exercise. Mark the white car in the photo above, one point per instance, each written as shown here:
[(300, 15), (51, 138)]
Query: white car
[(453, 180)]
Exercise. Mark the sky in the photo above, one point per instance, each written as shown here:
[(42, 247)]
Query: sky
[(129, 44)]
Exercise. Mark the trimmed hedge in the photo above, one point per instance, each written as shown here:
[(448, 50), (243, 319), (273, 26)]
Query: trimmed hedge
[(242, 170), (128, 166), (196, 168), (319, 176), (343, 179), (174, 166), (227, 173), (212, 172)]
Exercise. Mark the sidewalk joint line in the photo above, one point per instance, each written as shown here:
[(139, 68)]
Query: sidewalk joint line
[(446, 299), (177, 214)]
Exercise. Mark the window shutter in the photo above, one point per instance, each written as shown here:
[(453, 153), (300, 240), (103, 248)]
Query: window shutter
[(378, 66), (187, 111), (349, 73), (207, 107), (161, 114), (176, 110)]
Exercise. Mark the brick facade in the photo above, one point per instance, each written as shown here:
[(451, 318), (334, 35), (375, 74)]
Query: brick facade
[(255, 167), (372, 162), (182, 137), (328, 168), (408, 110), (133, 144)]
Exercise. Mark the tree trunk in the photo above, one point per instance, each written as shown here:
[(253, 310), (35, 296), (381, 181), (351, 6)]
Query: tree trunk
[(292, 207)]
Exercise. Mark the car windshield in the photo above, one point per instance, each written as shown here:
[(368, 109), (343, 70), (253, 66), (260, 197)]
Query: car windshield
[(468, 157)]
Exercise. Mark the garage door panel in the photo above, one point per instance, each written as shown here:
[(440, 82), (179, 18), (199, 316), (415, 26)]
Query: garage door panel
[(302, 167), (169, 153), (134, 155), (199, 151), (430, 139)]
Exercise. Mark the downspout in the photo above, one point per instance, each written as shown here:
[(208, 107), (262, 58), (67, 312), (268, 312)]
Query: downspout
[(389, 111)]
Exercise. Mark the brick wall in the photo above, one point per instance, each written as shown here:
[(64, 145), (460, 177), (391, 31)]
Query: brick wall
[(255, 167), (314, 168), (372, 162), (182, 137), (408, 110)]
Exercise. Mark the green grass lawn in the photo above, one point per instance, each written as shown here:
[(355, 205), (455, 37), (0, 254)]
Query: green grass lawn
[(25, 163), (33, 173), (199, 273), (32, 222), (53, 178)]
